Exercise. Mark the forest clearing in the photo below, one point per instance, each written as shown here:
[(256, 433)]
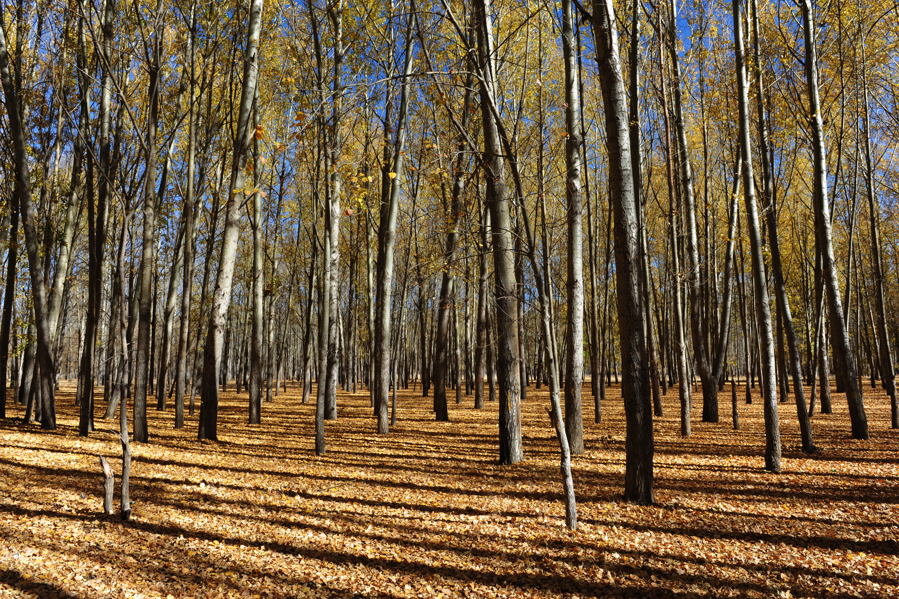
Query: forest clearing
[(428, 512)]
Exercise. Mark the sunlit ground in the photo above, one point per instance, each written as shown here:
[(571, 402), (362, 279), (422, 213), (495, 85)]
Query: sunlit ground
[(426, 511)]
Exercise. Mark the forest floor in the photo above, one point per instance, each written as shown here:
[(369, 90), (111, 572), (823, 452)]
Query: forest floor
[(427, 511)]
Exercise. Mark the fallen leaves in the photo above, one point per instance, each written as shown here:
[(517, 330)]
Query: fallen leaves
[(427, 512)]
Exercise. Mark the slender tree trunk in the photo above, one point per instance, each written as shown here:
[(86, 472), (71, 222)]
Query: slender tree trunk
[(637, 171), (335, 184), (447, 284), (148, 248), (125, 488), (887, 371), (22, 191), (212, 354), (684, 391), (505, 286), (391, 177), (634, 385), (762, 306), (574, 338), (782, 300), (481, 333), (310, 323), (97, 216), (171, 297), (9, 296), (257, 311), (190, 221), (699, 326), (843, 352)]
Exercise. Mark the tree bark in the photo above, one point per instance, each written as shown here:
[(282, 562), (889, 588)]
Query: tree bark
[(887, 370), (22, 191), (505, 286), (190, 221), (212, 353), (844, 356), (481, 333), (447, 284), (148, 248), (634, 384), (699, 325), (782, 300), (257, 309), (96, 216), (762, 306), (574, 338), (391, 176), (684, 386), (9, 296)]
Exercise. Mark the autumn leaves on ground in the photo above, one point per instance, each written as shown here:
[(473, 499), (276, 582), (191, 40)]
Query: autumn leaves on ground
[(427, 511)]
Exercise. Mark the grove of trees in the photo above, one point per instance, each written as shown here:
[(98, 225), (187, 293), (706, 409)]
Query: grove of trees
[(476, 200)]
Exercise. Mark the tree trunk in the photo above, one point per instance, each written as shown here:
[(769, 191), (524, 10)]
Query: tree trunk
[(505, 286), (9, 296), (887, 372), (634, 385), (171, 297), (335, 183), (447, 284), (699, 325), (684, 390), (391, 176), (148, 247), (481, 333), (96, 216), (212, 354), (22, 192), (844, 356), (258, 299), (190, 221), (763, 309), (782, 300), (574, 338)]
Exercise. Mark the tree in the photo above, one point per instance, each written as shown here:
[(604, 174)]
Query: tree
[(390, 190), (9, 293), (844, 354), (46, 366), (634, 383), (760, 284), (574, 338), (780, 290), (887, 370), (505, 285), (212, 353), (153, 48), (190, 222)]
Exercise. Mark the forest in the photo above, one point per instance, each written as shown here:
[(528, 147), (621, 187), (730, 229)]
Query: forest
[(420, 298)]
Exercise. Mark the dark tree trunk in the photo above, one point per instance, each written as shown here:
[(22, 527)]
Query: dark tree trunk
[(212, 353), (146, 274), (635, 384), (844, 356), (782, 300), (9, 296), (505, 286), (762, 306), (28, 213)]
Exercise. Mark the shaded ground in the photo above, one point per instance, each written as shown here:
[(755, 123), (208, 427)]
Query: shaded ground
[(427, 512)]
